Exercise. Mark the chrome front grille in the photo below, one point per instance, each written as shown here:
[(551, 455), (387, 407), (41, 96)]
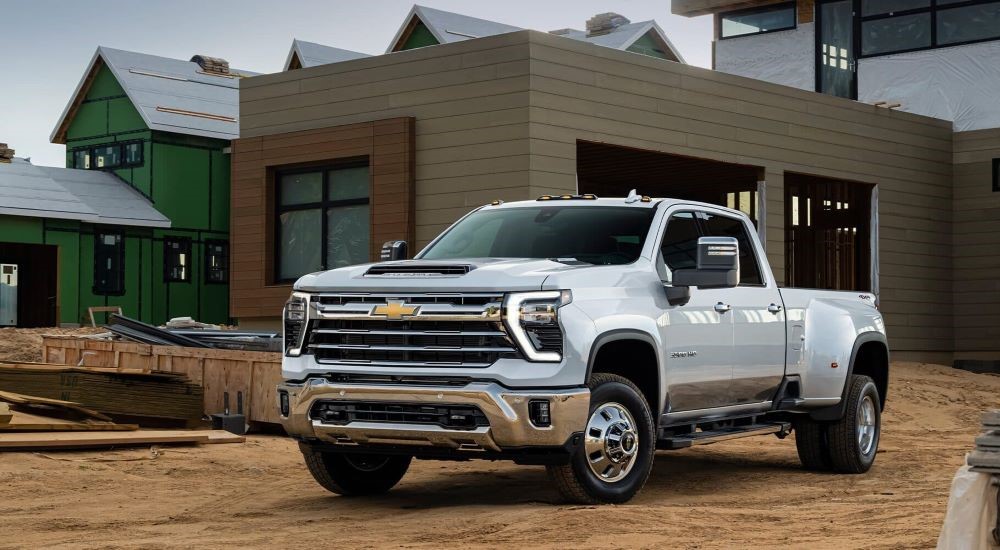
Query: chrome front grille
[(408, 330)]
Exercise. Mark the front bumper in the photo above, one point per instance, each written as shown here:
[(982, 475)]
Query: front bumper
[(506, 409)]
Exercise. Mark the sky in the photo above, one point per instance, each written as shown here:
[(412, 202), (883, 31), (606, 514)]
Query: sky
[(48, 43)]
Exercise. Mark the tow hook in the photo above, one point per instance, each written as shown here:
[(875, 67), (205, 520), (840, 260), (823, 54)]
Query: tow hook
[(784, 431)]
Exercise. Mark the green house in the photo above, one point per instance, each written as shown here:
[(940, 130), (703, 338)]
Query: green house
[(162, 127)]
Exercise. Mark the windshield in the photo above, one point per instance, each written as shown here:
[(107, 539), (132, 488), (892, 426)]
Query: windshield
[(599, 235)]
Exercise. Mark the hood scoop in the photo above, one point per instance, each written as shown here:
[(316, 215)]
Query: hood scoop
[(418, 270)]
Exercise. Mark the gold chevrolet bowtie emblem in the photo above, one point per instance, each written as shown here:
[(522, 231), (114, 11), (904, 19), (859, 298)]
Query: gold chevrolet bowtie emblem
[(395, 309)]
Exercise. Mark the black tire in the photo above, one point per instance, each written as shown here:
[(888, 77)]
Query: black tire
[(576, 481), (812, 444), (354, 473), (848, 454)]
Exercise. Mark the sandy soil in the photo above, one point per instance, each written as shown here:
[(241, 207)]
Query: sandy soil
[(739, 493)]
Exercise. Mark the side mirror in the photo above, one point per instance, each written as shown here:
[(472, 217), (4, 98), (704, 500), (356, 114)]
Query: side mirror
[(393, 250), (718, 265)]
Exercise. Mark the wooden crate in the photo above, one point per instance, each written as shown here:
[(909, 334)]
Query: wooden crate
[(254, 373)]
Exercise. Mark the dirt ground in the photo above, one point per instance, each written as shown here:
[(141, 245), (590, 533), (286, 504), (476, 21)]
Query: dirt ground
[(25, 344), (732, 494)]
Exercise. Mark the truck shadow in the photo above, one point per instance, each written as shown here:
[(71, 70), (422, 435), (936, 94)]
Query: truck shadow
[(676, 476)]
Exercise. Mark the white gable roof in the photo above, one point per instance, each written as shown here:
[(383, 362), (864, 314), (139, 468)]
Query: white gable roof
[(311, 54), (90, 196), (171, 95), (450, 27), (622, 38)]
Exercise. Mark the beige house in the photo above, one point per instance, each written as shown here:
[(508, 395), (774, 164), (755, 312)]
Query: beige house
[(846, 195)]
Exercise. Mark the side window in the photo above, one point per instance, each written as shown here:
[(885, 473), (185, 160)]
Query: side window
[(722, 226), (216, 261), (680, 241), (176, 260)]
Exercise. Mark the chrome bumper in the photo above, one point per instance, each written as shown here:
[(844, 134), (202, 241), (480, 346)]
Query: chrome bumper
[(506, 409)]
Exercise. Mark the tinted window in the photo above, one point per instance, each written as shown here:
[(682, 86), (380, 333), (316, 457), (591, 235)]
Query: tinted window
[(680, 242), (722, 226), (216, 261), (595, 235), (770, 18), (176, 260), (877, 7), (969, 23)]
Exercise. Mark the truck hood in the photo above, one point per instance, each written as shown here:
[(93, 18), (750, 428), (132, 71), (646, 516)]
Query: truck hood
[(465, 275)]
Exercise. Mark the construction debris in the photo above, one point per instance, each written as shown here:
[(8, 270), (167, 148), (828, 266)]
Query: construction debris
[(986, 457), (186, 332), (149, 398)]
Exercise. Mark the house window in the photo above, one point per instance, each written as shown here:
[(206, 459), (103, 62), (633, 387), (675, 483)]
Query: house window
[(322, 220), (109, 264), (893, 26), (777, 17), (108, 156), (81, 159), (176, 260), (216, 261)]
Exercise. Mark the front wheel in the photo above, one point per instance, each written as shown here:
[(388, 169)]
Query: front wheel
[(616, 456), (354, 473)]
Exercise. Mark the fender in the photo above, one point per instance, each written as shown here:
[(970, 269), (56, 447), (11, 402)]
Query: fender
[(627, 334), (836, 412)]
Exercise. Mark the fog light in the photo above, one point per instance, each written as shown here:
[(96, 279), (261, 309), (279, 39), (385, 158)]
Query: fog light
[(283, 402), (538, 412)]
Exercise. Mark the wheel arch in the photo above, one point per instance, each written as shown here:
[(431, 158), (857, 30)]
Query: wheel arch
[(649, 377), (869, 356)]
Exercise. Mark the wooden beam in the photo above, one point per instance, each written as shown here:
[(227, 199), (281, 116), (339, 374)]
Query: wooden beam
[(83, 440)]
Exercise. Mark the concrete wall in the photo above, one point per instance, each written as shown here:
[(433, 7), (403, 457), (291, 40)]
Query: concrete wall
[(783, 57), (977, 245), (499, 117)]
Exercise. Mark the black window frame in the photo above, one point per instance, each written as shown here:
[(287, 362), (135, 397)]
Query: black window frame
[(91, 149), (118, 286), (933, 9), (207, 260), (996, 175), (703, 231), (759, 9), (323, 205), (170, 260)]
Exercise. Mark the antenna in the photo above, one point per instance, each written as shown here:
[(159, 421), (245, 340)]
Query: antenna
[(632, 197)]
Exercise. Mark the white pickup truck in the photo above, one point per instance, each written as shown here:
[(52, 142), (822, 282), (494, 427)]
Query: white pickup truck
[(579, 333)]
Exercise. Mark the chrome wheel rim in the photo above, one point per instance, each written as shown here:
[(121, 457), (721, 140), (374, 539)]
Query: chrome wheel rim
[(611, 442), (867, 431)]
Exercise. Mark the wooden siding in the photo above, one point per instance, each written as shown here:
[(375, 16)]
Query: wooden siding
[(469, 99), (499, 117), (580, 92), (976, 243), (388, 144)]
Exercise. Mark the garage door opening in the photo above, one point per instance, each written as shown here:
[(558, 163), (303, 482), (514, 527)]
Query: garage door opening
[(28, 285), (612, 171), (828, 233)]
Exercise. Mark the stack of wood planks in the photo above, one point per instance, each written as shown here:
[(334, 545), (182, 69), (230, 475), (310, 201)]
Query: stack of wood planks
[(36, 423), (145, 397)]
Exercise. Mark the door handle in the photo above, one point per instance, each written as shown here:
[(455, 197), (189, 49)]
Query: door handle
[(722, 308), (774, 308)]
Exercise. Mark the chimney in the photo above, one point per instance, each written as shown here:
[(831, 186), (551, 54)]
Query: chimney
[(212, 65), (6, 153), (603, 23)]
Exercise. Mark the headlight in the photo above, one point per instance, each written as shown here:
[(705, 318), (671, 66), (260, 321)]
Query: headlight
[(533, 319), (295, 318)]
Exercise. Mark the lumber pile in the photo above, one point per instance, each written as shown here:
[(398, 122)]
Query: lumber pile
[(147, 397), (986, 457), (30, 423)]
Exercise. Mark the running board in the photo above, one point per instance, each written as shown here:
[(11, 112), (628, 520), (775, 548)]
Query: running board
[(722, 434)]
